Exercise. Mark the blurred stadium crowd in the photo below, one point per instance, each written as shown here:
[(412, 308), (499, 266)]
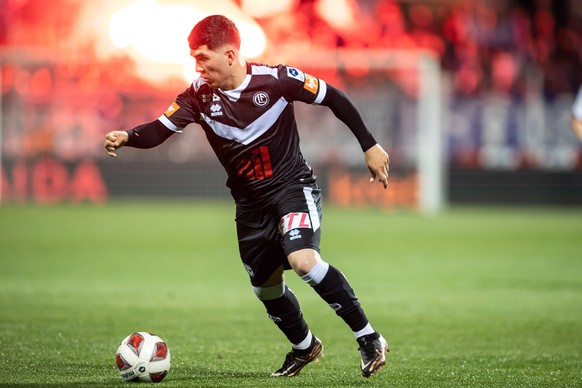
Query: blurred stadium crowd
[(486, 45), (511, 69)]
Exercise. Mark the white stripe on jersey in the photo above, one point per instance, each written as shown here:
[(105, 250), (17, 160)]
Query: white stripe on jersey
[(170, 125), (312, 208), (264, 70), (321, 92), (234, 94), (252, 131), (197, 83)]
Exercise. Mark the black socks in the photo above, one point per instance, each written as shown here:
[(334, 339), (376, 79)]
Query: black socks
[(286, 314), (337, 292)]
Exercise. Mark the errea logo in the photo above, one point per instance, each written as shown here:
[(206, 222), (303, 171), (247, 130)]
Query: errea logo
[(216, 110), (294, 234), (261, 99)]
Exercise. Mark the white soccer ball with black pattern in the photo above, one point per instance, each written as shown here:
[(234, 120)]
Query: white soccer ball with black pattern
[(143, 356)]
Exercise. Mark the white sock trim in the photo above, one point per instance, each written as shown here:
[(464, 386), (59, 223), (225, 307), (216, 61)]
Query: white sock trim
[(317, 273), (270, 293), (365, 331), (305, 343)]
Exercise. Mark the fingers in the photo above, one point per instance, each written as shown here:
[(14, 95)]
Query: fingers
[(378, 163), (382, 175), (115, 140), (111, 144), (384, 181), (382, 178), (110, 152)]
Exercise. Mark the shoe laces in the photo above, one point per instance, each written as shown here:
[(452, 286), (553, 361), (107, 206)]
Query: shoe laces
[(367, 347), (289, 358)]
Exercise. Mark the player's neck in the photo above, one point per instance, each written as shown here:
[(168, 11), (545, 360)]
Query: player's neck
[(237, 75)]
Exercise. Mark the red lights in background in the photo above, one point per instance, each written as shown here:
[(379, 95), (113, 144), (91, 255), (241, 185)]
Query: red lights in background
[(63, 76), (467, 36), (260, 9)]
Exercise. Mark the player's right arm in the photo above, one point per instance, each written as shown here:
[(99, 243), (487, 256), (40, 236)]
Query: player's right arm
[(144, 136), (183, 111)]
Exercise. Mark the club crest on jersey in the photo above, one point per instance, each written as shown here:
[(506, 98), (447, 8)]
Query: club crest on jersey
[(311, 83), (294, 221), (172, 109), (295, 73), (261, 99)]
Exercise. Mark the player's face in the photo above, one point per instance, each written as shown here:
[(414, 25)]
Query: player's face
[(213, 65)]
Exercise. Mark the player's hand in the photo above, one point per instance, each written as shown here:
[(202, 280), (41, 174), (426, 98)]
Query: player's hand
[(378, 163), (577, 127), (115, 140)]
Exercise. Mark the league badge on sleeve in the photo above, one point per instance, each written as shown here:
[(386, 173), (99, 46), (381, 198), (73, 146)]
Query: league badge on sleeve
[(295, 73)]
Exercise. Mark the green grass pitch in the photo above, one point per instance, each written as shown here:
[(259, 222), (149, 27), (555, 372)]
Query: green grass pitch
[(470, 298)]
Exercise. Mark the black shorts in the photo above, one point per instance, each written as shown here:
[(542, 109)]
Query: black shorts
[(267, 236)]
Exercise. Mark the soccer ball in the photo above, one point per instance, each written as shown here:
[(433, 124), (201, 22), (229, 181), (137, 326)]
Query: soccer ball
[(143, 357)]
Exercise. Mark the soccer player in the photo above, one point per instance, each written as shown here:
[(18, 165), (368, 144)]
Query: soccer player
[(246, 112)]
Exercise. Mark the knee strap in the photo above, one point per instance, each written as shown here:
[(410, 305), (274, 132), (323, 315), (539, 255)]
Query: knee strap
[(317, 273), (271, 292)]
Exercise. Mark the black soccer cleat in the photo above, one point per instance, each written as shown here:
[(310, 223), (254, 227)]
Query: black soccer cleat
[(374, 349), (297, 359)]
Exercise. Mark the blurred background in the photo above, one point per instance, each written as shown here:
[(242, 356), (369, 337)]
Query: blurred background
[(471, 98)]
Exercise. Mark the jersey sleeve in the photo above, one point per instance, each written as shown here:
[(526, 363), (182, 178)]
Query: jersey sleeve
[(297, 85), (183, 111)]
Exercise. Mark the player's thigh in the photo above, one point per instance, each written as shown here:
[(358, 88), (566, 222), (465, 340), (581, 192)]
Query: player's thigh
[(261, 252), (300, 214)]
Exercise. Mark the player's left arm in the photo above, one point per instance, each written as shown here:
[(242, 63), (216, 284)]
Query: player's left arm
[(344, 109)]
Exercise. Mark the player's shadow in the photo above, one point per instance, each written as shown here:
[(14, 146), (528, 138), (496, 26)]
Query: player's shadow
[(202, 373)]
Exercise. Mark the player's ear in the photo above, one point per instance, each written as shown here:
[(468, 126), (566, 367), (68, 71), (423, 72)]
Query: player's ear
[(230, 56)]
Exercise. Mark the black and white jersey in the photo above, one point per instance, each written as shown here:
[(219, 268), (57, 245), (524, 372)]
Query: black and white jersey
[(252, 129)]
